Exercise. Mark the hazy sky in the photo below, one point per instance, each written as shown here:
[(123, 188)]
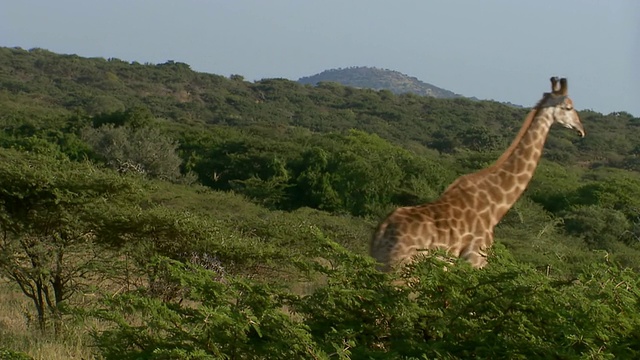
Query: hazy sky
[(492, 49)]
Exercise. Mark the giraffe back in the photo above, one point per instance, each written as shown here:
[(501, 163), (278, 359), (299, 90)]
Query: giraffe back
[(447, 224)]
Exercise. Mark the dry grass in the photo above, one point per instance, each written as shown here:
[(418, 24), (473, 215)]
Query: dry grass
[(19, 332), (19, 329)]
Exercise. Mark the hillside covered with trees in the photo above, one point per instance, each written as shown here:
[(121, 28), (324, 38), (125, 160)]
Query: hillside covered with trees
[(149, 211), (378, 79)]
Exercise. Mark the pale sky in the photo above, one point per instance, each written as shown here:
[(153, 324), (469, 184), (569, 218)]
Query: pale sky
[(504, 50)]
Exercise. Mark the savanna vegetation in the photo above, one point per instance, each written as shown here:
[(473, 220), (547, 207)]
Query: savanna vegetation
[(154, 212)]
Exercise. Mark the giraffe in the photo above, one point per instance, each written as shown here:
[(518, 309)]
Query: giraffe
[(462, 220)]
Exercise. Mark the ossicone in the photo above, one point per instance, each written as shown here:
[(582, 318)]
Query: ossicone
[(559, 86)]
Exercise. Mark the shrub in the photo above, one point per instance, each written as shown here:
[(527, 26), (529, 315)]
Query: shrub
[(142, 150)]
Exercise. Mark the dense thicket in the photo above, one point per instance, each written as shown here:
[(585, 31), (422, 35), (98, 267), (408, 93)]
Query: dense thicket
[(206, 202)]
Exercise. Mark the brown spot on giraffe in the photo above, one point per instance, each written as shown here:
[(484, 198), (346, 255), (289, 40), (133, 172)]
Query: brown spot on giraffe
[(462, 220)]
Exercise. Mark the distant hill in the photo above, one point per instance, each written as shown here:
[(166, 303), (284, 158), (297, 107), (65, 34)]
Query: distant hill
[(378, 79)]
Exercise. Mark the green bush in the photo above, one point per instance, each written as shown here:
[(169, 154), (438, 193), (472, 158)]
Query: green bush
[(140, 150), (218, 320), (600, 227), (6, 354), (430, 310)]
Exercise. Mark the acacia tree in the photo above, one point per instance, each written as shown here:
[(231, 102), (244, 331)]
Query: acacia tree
[(50, 209)]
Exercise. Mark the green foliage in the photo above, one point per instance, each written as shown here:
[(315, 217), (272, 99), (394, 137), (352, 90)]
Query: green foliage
[(507, 310), (6, 354), (314, 181), (512, 311), (479, 138), (600, 227), (234, 318), (553, 186), (51, 135), (365, 174), (135, 148), (137, 117), (48, 210), (158, 230), (617, 191)]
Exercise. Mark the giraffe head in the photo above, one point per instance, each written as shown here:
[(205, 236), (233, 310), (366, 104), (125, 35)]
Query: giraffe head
[(558, 104)]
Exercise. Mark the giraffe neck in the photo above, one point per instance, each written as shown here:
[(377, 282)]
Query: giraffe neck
[(507, 179), (491, 192)]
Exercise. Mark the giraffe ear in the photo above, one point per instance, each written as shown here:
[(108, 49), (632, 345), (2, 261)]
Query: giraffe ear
[(563, 87)]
